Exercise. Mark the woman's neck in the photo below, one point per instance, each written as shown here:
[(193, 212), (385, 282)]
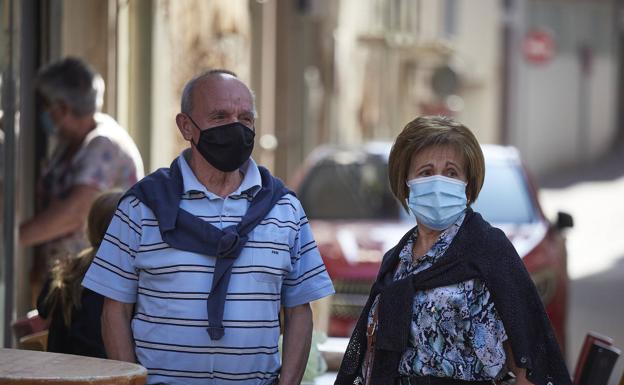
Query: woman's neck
[(424, 241)]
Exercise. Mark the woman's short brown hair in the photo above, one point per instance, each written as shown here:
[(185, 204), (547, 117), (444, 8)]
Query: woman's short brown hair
[(427, 131)]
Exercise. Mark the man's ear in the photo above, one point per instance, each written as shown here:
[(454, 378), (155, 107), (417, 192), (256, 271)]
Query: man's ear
[(185, 126)]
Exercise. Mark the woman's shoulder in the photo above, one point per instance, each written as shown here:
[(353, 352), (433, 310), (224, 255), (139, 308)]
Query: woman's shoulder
[(489, 240), (477, 226)]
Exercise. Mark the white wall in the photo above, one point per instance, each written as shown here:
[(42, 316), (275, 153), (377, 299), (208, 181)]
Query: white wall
[(550, 129), (548, 137), (603, 102), (560, 116)]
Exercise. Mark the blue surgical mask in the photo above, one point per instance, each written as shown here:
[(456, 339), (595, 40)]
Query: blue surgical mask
[(47, 123), (437, 201)]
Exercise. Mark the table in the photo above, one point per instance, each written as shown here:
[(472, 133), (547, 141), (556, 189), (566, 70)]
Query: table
[(27, 367)]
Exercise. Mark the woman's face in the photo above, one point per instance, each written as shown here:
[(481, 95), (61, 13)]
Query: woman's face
[(442, 160)]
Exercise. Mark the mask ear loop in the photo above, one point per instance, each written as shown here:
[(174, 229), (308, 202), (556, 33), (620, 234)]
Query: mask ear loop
[(196, 126)]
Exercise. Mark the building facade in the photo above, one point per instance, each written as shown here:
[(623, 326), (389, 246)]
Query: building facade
[(542, 75)]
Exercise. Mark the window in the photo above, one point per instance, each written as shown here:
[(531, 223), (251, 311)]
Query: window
[(355, 188), (505, 197)]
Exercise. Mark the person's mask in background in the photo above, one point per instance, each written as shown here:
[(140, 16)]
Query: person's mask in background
[(226, 147), (436, 201), (47, 123)]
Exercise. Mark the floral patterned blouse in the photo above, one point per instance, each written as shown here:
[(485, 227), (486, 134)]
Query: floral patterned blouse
[(106, 159), (456, 331)]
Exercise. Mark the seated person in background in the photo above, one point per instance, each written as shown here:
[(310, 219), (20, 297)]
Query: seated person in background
[(73, 311)]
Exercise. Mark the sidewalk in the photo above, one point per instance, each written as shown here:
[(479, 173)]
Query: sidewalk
[(594, 195)]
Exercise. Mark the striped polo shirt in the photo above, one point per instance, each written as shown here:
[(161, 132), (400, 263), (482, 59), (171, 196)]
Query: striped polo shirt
[(279, 266)]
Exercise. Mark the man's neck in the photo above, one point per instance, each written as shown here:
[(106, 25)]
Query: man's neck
[(82, 127), (215, 181)]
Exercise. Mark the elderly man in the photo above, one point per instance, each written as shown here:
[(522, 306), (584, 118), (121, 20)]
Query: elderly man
[(200, 257), (92, 154)]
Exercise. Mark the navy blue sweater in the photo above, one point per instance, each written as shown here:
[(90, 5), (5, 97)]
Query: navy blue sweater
[(162, 190)]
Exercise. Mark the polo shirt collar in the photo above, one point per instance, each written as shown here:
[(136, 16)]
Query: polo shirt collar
[(251, 184)]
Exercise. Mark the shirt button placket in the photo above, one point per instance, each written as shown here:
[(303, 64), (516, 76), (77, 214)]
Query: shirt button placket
[(225, 212)]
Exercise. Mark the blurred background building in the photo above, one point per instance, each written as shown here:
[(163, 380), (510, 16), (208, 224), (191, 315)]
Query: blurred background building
[(542, 75)]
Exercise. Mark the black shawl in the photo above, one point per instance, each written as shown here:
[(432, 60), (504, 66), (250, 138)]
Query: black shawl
[(477, 251)]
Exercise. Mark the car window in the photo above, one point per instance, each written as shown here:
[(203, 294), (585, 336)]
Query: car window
[(505, 197), (349, 189), (356, 188)]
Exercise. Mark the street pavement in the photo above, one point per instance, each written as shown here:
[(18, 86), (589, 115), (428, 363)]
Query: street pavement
[(594, 196)]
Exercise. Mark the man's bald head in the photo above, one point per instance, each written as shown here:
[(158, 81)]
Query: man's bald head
[(186, 105)]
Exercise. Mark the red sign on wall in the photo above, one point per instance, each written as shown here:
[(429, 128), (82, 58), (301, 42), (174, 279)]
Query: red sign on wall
[(538, 47)]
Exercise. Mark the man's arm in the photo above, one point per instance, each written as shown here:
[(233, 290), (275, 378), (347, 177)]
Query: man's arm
[(62, 217), (296, 346), (116, 331)]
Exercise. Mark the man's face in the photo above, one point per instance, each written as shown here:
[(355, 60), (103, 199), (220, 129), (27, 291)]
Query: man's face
[(59, 114), (219, 100)]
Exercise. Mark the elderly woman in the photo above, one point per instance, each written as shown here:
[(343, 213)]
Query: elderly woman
[(453, 303)]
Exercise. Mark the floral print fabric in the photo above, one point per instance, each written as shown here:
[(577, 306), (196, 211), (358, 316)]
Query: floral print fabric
[(106, 159), (456, 331)]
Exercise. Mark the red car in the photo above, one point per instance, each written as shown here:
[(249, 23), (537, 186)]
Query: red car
[(355, 219)]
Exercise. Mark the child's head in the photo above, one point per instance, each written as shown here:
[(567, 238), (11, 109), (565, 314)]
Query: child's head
[(100, 215)]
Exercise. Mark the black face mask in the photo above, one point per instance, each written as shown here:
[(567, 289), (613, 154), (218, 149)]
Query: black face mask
[(225, 147)]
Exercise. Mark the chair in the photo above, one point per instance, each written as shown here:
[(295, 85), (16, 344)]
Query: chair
[(36, 341), (32, 323), (31, 332), (596, 360)]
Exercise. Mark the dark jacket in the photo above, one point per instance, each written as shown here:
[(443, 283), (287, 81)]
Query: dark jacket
[(83, 337), (477, 251)]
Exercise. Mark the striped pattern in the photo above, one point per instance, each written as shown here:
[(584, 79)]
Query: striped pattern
[(252, 324), (216, 375), (279, 266), (224, 350)]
